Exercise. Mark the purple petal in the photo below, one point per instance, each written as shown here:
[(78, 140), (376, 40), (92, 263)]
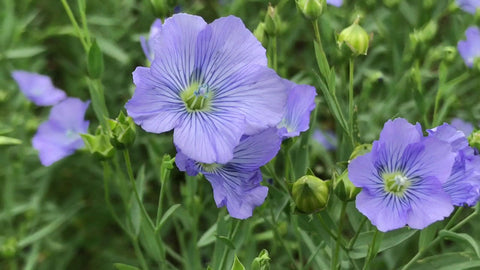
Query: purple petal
[(470, 49), (38, 88), (209, 137), (465, 127), (300, 103), (469, 6), (397, 134), (363, 173), (256, 150), (327, 139), (59, 136), (186, 164), (464, 183), (337, 3), (155, 106), (147, 45), (428, 202), (241, 192), (451, 135), (386, 212)]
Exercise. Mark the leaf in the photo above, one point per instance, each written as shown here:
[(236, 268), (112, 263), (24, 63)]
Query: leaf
[(208, 237), (112, 50), (167, 214), (95, 61), (121, 266), (427, 235), (463, 237), (9, 141), (390, 239), (24, 52), (227, 241), (444, 261), (237, 265), (136, 211)]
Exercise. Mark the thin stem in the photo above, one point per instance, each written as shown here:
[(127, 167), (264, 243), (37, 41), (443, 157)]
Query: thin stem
[(357, 233), (75, 24), (139, 254), (231, 235), (106, 176), (350, 101), (339, 236), (316, 31), (161, 198), (453, 218), (370, 254), (325, 227)]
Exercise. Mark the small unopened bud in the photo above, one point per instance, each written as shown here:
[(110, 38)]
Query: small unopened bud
[(122, 130), (356, 38), (271, 21), (259, 33), (344, 188), (310, 194), (261, 262), (311, 9), (360, 150), (99, 144)]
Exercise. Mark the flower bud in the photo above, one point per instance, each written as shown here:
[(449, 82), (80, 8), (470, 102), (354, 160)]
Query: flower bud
[(360, 150), (356, 38), (311, 9), (122, 130), (344, 188), (271, 21), (310, 194), (261, 262), (259, 33), (99, 144)]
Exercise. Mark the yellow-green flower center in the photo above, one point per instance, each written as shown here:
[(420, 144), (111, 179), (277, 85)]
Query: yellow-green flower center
[(395, 183), (210, 167), (197, 97)]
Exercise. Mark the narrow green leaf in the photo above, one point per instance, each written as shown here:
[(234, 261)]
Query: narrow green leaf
[(167, 214), (9, 141), (95, 61), (390, 239), (226, 241), (24, 52), (427, 235), (112, 50), (208, 237), (462, 237)]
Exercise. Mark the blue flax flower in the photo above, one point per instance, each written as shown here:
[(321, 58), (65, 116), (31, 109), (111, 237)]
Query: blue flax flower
[(470, 49), (236, 184), (402, 177), (463, 185), (337, 3), (38, 88), (59, 136), (469, 6), (465, 127), (296, 116), (147, 44), (209, 83)]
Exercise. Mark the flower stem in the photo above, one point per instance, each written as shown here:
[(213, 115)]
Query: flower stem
[(350, 101), (231, 235), (75, 25), (357, 233), (339, 236)]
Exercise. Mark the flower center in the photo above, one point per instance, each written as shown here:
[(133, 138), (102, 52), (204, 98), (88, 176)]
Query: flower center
[(395, 183), (197, 97), (210, 167)]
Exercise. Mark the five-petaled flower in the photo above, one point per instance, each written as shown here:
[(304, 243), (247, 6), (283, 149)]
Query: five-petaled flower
[(38, 88), (209, 83), (402, 178)]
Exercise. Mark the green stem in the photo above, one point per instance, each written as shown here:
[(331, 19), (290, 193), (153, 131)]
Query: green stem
[(75, 25), (106, 176), (453, 218), (371, 255), (339, 236), (139, 253), (332, 234), (357, 233), (316, 31), (350, 101), (231, 235), (161, 198)]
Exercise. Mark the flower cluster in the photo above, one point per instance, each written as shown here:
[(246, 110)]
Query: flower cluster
[(59, 136), (412, 179), (210, 84)]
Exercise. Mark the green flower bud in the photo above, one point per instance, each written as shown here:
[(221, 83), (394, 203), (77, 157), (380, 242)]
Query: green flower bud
[(261, 262), (359, 150), (8, 249), (272, 21), (355, 37), (311, 9), (99, 144), (344, 188), (474, 139), (425, 34), (310, 194), (259, 33), (122, 130)]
